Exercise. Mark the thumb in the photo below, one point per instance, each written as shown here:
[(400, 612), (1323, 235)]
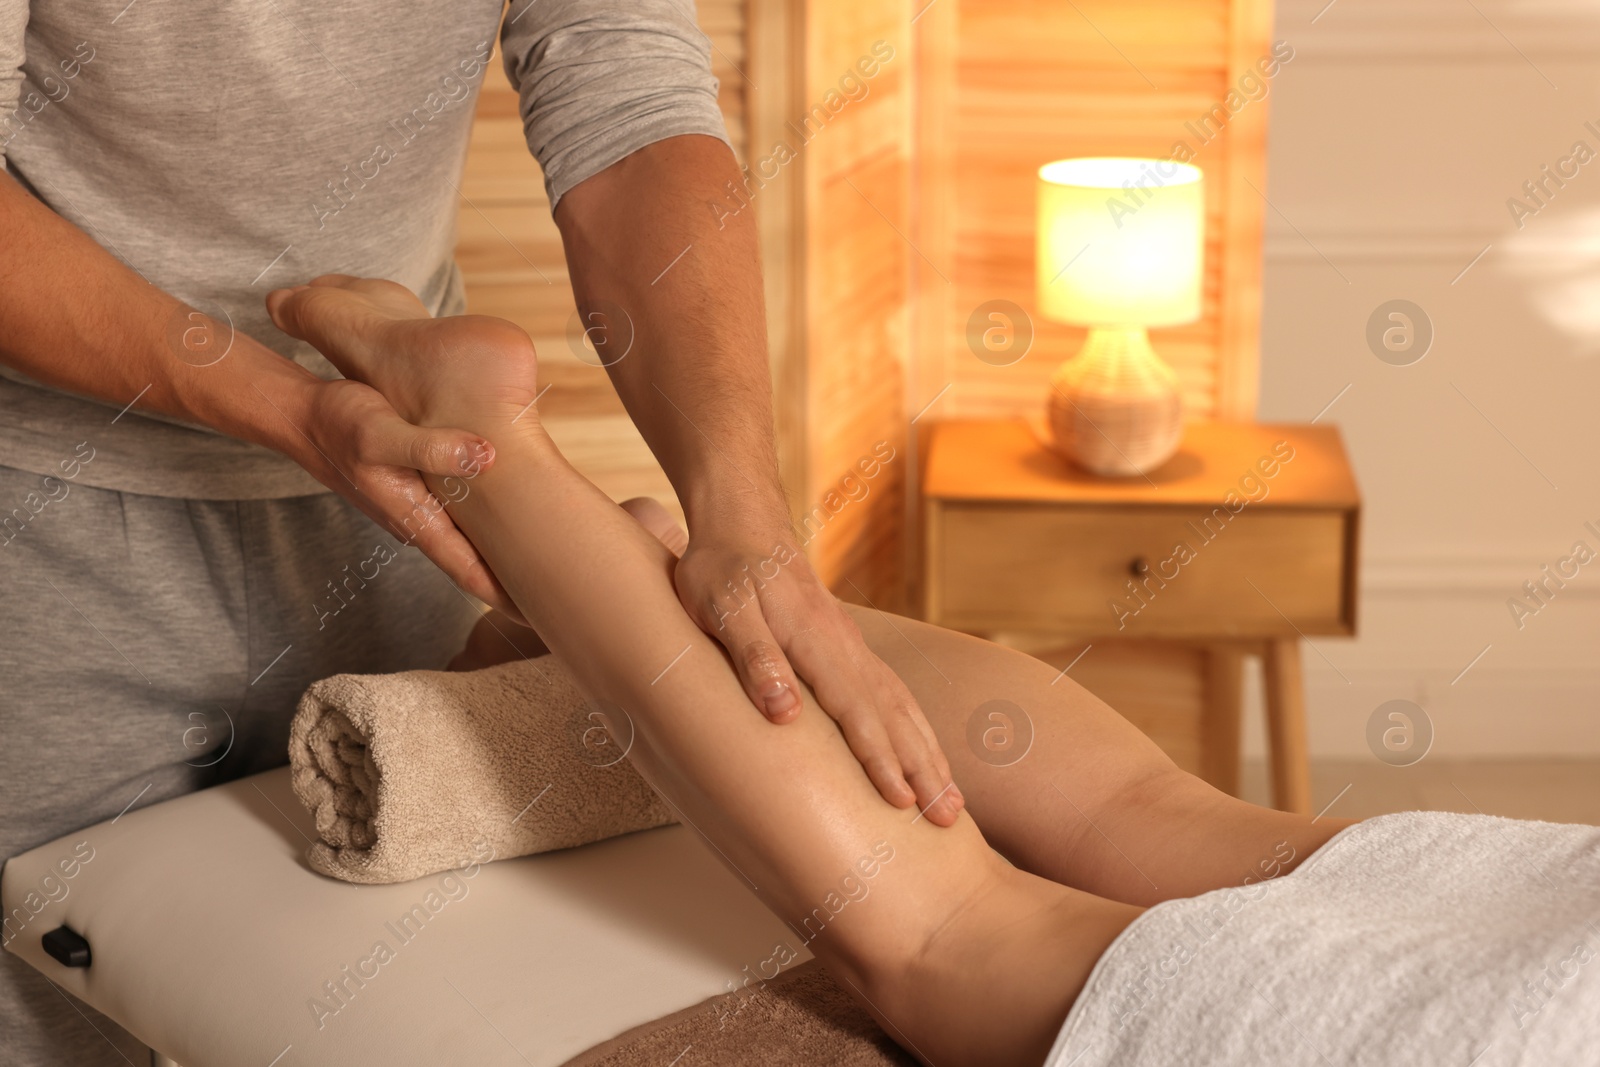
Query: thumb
[(388, 440)]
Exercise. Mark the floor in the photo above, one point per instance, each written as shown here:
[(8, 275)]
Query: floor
[(1552, 790)]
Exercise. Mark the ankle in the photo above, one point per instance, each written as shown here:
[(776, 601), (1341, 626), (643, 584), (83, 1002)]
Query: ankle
[(904, 975), (993, 982)]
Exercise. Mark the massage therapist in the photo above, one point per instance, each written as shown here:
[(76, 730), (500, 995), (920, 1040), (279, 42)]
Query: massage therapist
[(198, 517)]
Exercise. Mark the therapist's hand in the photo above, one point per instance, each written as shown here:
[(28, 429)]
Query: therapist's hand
[(355, 443), (749, 585), (360, 448), (778, 605)]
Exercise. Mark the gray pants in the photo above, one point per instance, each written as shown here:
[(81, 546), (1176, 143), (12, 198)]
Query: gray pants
[(155, 646)]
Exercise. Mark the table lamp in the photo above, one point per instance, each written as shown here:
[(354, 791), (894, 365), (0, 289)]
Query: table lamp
[(1121, 246)]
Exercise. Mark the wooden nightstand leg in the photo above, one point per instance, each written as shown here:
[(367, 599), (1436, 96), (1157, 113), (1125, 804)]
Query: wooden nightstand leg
[(1286, 725), (1219, 725)]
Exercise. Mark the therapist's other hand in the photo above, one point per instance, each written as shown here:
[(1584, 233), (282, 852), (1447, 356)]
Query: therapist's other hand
[(361, 448), (750, 586), (769, 609)]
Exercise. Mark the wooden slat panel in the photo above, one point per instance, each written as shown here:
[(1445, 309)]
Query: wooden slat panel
[(509, 241), (1022, 82), (500, 169), (1245, 164), (1149, 36), (857, 211)]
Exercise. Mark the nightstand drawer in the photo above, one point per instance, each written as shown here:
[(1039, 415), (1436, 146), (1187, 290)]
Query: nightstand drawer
[(1260, 572)]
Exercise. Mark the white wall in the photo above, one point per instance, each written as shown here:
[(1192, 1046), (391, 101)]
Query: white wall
[(1399, 131)]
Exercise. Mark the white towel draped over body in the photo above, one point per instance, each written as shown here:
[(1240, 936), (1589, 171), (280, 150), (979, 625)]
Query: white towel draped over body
[(1413, 939)]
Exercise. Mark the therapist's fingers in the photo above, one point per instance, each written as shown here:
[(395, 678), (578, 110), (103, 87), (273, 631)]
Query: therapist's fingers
[(728, 613), (721, 593), (397, 499), (916, 746), (387, 439), (426, 526), (394, 452), (876, 720), (766, 675), (363, 450), (781, 625), (876, 712)]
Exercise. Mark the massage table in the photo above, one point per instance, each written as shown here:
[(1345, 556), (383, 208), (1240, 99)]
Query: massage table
[(210, 939)]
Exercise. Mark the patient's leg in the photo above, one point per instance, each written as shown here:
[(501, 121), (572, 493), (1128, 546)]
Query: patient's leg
[(1093, 803), (964, 958), (1062, 784)]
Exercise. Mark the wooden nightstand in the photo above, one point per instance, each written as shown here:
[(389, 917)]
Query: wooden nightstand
[(1244, 542)]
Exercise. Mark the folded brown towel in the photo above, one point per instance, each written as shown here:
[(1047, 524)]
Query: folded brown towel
[(410, 774), (798, 1019)]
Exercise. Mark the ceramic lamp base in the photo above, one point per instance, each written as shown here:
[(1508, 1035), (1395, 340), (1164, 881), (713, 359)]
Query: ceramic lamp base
[(1115, 408)]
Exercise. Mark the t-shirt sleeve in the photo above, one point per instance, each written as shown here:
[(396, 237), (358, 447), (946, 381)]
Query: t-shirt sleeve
[(13, 26), (600, 79)]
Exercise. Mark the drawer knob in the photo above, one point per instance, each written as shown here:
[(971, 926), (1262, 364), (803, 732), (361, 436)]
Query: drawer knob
[(1138, 567)]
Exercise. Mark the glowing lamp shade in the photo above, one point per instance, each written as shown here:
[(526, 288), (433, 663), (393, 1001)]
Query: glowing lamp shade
[(1121, 246), (1121, 242)]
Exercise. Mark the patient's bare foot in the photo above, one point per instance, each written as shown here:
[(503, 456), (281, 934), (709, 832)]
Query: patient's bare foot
[(378, 332)]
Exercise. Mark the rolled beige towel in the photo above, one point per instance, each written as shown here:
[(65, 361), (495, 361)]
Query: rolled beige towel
[(414, 773)]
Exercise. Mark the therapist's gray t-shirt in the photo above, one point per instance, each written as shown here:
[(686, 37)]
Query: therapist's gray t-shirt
[(223, 150)]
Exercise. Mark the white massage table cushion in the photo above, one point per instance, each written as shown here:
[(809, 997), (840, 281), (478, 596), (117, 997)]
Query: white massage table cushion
[(215, 944)]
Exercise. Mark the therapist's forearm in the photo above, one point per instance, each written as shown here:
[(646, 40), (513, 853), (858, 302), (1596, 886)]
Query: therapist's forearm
[(72, 316), (642, 236)]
